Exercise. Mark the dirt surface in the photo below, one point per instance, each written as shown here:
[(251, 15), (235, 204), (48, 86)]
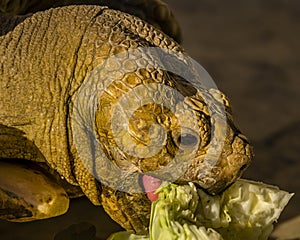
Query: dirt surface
[(251, 49)]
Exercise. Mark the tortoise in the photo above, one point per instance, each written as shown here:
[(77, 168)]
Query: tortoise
[(64, 73)]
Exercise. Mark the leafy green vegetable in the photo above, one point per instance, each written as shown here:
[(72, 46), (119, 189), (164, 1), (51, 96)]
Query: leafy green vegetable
[(173, 215), (127, 236), (246, 210)]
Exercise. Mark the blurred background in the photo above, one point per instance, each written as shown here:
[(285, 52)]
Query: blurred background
[(251, 50)]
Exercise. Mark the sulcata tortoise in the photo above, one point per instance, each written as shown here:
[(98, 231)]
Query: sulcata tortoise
[(89, 106)]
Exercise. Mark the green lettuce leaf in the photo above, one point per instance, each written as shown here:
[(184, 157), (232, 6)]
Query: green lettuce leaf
[(173, 215), (127, 236), (246, 210)]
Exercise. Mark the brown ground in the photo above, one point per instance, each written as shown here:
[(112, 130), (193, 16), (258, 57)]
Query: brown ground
[(251, 49)]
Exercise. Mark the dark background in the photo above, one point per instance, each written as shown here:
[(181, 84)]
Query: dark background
[(251, 50)]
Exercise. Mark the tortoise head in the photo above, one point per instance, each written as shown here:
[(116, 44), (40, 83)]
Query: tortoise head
[(154, 122), (147, 120)]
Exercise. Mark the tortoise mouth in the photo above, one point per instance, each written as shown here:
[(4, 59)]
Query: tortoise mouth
[(150, 185)]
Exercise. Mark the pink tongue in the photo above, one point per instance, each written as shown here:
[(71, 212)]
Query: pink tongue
[(150, 185)]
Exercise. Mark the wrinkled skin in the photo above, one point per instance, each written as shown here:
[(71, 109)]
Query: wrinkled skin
[(155, 12), (45, 59)]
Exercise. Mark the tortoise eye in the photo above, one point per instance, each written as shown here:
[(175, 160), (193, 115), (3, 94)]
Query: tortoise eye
[(187, 140)]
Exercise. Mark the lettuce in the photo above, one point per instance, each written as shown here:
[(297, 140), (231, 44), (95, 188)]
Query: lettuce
[(173, 215), (246, 210), (127, 236)]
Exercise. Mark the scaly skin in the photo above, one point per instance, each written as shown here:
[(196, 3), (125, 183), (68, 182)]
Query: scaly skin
[(155, 12), (45, 61)]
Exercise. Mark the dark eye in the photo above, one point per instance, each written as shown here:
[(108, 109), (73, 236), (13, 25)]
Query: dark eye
[(187, 140)]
